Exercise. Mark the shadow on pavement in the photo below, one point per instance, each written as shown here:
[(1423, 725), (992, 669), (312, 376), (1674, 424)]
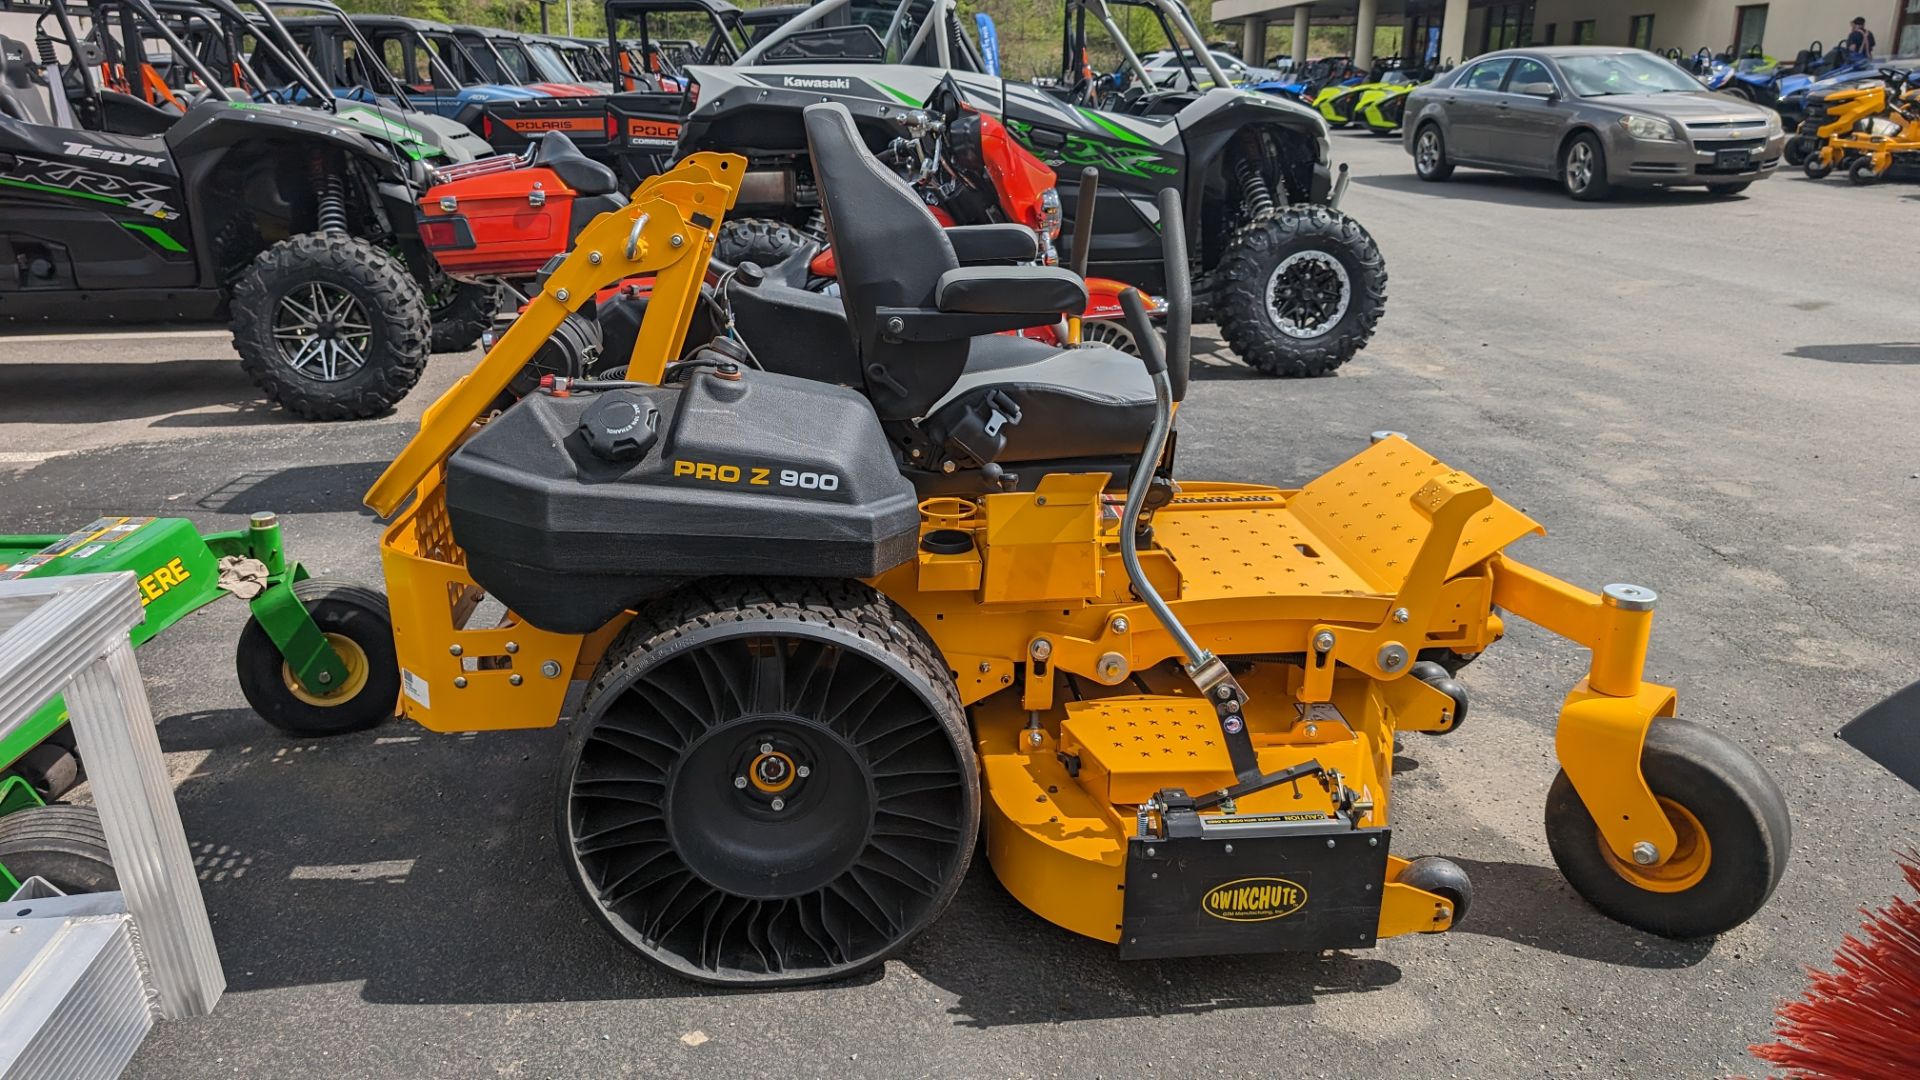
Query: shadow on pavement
[(424, 868), (1884, 352), (1532, 191), (1534, 906), (90, 393), (304, 489)]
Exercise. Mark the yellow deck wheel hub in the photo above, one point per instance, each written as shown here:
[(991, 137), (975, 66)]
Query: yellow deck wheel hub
[(1692, 855), (772, 772), (352, 657)]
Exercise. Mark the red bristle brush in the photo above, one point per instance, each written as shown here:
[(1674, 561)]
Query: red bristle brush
[(1860, 1021)]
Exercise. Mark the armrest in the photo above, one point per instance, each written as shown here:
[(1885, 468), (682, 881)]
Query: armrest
[(1005, 243), (1008, 290)]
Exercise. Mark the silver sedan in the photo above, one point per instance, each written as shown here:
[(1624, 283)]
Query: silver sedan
[(1592, 118)]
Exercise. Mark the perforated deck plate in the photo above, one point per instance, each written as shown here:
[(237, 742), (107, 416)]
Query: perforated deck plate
[(1143, 744), (1362, 513)]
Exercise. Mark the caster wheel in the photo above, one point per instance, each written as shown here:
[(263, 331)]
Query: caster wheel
[(1442, 877), (1861, 172), (60, 843), (356, 623), (1436, 675), (769, 784), (1733, 834), (1817, 167)]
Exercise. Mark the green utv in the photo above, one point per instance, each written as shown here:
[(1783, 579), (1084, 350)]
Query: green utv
[(1296, 285), (137, 186)]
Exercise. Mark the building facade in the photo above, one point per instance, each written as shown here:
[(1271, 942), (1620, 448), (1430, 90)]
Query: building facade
[(1455, 30)]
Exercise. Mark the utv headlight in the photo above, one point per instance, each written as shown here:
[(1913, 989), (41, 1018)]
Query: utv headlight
[(1649, 128)]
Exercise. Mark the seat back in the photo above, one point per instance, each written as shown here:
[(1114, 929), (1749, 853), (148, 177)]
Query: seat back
[(890, 252), (21, 97), (575, 169)]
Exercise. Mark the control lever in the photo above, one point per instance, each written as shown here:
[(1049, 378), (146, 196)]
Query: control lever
[(1083, 206), (1208, 671)]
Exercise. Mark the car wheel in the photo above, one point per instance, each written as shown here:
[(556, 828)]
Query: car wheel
[(1430, 154), (1583, 169)]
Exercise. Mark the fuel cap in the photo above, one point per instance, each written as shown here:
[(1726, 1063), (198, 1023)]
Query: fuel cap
[(621, 426)]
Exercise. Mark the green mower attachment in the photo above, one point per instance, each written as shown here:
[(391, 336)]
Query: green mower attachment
[(312, 660)]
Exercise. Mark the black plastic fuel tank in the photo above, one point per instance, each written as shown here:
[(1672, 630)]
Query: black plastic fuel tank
[(572, 509)]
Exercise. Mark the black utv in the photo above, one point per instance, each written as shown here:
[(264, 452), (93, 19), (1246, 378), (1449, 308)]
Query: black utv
[(136, 186), (1296, 285)]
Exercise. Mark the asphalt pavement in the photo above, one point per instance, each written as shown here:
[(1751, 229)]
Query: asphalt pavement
[(1712, 397)]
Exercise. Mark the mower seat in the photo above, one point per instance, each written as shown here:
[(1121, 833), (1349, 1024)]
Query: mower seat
[(1089, 402), (953, 389), (575, 169)]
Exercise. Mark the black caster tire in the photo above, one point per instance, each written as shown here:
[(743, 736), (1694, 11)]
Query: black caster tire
[(1436, 675), (1430, 161), (1798, 151), (1301, 291), (461, 312), (61, 843), (1442, 877), (769, 783), (330, 327), (1583, 169), (757, 240), (355, 620), (1816, 168), (1861, 172), (1734, 834)]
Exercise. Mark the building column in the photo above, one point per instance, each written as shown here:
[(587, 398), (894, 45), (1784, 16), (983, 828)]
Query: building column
[(1363, 33), (1253, 41), (1453, 32), (1302, 26)]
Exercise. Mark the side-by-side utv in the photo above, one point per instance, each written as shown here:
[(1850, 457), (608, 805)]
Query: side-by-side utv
[(123, 198), (841, 608)]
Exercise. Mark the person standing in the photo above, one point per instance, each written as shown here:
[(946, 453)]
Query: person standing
[(1860, 42)]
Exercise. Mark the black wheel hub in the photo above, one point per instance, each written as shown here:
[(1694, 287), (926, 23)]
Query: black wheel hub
[(1309, 294), (769, 807)]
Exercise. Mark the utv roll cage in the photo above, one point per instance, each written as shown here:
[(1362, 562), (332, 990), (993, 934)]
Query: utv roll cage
[(725, 39), (117, 38), (336, 70), (416, 30), (931, 33)]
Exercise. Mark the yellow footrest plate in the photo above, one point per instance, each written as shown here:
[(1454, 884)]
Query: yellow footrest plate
[(1131, 747)]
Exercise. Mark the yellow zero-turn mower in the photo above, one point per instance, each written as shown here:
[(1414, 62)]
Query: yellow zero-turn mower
[(829, 631)]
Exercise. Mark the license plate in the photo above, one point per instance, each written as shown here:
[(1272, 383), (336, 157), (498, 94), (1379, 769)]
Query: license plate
[(1732, 159)]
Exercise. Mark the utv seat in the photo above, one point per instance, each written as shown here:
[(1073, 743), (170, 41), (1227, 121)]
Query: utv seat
[(578, 171), (943, 379), (21, 97)]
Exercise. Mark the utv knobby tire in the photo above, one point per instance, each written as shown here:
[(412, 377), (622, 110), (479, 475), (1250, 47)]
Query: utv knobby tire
[(828, 873), (1257, 251), (757, 240), (61, 843), (388, 295), (465, 313)]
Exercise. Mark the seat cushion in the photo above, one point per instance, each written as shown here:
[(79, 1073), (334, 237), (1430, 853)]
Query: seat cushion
[(575, 169), (1074, 403)]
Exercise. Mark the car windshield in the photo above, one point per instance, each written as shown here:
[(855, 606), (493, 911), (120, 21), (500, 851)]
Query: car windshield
[(1624, 73)]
